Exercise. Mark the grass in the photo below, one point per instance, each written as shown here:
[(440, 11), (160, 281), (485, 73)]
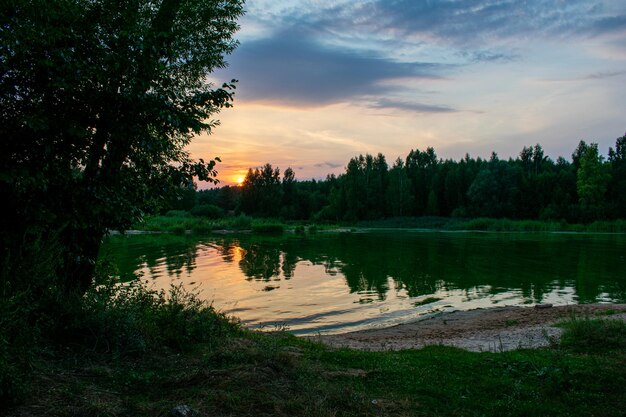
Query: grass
[(182, 222), (594, 335), (268, 228), (427, 300), (495, 225), (278, 374), (127, 350)]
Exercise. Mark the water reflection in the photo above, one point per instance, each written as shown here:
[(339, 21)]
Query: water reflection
[(351, 276)]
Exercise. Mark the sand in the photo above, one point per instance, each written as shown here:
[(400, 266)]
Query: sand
[(492, 329)]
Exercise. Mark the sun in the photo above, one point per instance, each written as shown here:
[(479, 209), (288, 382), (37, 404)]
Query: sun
[(240, 180)]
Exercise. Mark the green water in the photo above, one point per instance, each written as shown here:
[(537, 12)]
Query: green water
[(341, 282)]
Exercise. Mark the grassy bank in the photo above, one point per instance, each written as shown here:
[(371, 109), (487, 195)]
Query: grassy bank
[(182, 222), (495, 225), (130, 351)]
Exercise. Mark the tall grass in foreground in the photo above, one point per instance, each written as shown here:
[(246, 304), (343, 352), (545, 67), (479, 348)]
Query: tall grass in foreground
[(586, 335), (132, 319), (111, 319)]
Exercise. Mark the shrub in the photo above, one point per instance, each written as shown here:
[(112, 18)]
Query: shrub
[(128, 319), (30, 300), (177, 213), (207, 210), (269, 228), (241, 222), (594, 335)]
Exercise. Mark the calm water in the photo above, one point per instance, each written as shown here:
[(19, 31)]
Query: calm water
[(340, 282)]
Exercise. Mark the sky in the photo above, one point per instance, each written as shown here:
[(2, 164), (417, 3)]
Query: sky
[(323, 81)]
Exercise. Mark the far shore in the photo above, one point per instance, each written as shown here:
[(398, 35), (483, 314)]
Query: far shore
[(492, 329)]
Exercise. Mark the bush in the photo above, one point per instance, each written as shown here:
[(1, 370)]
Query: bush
[(36, 317), (594, 335), (30, 301), (130, 319), (177, 213), (207, 210), (269, 228), (241, 222)]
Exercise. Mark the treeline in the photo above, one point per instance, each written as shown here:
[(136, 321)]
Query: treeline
[(531, 186)]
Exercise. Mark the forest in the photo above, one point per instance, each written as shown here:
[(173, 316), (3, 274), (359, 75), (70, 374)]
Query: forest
[(532, 186)]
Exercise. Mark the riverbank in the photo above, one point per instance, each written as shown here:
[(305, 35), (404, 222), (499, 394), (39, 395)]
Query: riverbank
[(481, 330), (183, 222), (234, 372)]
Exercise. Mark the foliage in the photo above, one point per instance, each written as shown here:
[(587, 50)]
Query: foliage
[(241, 222), (530, 187), (292, 376), (31, 303), (177, 213), (128, 319), (261, 192), (586, 335), (592, 182), (270, 228), (98, 102), (209, 211)]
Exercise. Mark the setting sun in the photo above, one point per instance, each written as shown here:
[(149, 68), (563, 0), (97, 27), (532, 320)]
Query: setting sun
[(240, 180)]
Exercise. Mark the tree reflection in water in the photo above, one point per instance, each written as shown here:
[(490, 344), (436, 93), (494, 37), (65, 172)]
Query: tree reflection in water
[(593, 267)]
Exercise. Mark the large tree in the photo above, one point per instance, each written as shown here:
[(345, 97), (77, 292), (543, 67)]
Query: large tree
[(98, 99), (592, 181)]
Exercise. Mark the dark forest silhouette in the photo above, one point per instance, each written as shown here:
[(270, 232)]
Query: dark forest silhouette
[(531, 186)]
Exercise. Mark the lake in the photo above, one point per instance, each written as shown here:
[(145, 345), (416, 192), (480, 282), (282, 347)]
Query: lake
[(337, 282)]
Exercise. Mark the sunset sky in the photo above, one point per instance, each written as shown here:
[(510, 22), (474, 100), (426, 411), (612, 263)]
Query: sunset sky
[(322, 81)]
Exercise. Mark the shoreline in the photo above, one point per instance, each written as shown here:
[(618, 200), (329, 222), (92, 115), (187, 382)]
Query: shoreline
[(495, 329)]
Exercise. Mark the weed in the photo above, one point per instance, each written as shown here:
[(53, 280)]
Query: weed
[(427, 300), (594, 335), (268, 228)]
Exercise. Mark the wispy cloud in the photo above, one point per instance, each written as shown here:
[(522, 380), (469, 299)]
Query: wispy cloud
[(384, 103), (600, 75), (328, 165), (470, 22), (603, 75), (609, 25)]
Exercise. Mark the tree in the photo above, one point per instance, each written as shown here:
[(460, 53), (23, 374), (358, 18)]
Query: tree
[(354, 183), (592, 181), (98, 100), (289, 196), (495, 189), (261, 192), (617, 186), (399, 198), (420, 167)]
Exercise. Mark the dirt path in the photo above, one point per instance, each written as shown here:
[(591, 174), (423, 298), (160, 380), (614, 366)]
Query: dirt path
[(493, 329)]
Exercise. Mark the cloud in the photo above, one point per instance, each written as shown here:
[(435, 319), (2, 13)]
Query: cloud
[(609, 25), (486, 55), (290, 68), (384, 103), (304, 53), (603, 75), (475, 22), (331, 165)]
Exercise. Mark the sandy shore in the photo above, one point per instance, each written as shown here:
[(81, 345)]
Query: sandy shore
[(493, 329)]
